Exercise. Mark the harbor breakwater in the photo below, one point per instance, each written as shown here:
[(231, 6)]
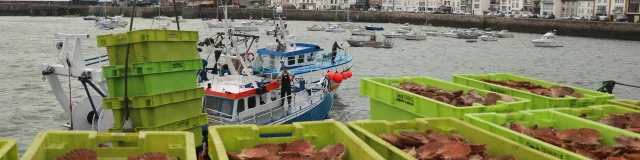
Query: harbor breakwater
[(612, 30)]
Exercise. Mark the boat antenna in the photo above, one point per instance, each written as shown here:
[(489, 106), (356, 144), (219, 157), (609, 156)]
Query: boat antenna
[(127, 125), (175, 10)]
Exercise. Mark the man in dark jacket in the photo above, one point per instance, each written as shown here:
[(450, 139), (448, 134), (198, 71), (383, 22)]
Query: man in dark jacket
[(334, 51)]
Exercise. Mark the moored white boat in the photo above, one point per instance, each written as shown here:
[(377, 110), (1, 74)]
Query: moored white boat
[(453, 34), (415, 35), (406, 26), (393, 35), (488, 36), (360, 32), (505, 34), (245, 27), (547, 40), (315, 28), (335, 29)]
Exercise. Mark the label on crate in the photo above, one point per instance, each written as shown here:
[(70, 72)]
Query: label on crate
[(545, 150), (177, 65), (172, 34), (404, 98)]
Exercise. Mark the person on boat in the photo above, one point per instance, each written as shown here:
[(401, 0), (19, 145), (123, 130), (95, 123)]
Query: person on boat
[(281, 47), (233, 19), (334, 51), (284, 78), (219, 19)]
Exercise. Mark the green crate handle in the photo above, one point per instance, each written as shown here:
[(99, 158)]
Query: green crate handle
[(278, 129), (497, 108)]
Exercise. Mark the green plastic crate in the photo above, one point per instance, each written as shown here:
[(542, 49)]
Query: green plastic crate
[(51, 144), (369, 131), (545, 118), (8, 149), (595, 113), (192, 124), (150, 46), (234, 138), (153, 77), (158, 109), (626, 103), (397, 102), (591, 97)]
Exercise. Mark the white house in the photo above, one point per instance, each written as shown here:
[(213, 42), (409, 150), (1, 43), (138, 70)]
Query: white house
[(617, 8), (602, 7), (479, 7), (550, 7), (433, 5)]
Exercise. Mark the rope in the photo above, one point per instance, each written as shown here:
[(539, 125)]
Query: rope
[(628, 85), (70, 108)]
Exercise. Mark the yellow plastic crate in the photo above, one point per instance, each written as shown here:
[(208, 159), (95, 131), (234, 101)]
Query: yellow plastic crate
[(368, 131), (8, 149), (150, 45), (49, 145), (234, 138)]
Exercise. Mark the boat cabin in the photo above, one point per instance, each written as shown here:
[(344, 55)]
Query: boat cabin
[(237, 99), (549, 35), (270, 60)]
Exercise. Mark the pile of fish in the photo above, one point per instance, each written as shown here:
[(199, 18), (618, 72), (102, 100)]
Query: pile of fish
[(553, 92), (583, 141), (627, 121), (431, 145), (457, 98), (88, 154), (301, 149)]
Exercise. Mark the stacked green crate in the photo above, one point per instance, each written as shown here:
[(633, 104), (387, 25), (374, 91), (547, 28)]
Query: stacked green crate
[(8, 149), (162, 83)]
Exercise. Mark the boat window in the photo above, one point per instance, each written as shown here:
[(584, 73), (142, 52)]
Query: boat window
[(311, 58), (212, 103), (272, 61), (292, 60), (301, 58), (240, 106), (226, 107), (251, 102)]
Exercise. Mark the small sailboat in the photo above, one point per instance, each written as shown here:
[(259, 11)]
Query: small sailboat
[(505, 34), (90, 18), (548, 40)]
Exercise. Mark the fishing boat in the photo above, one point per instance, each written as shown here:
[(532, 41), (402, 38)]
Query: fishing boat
[(488, 36), (373, 28), (180, 19), (467, 35), (406, 26), (315, 27), (272, 32), (113, 23), (505, 34), (453, 33), (475, 31), (547, 40), (360, 32), (415, 35), (372, 42), (335, 29), (245, 27)]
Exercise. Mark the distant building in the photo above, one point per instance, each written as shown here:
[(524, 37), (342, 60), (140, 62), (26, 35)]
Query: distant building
[(583, 8), (633, 10), (375, 4), (481, 7)]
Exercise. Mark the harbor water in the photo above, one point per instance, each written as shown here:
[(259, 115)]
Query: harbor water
[(27, 104)]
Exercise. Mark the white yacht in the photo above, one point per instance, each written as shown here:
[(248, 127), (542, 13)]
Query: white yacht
[(403, 31), (393, 34), (453, 33), (547, 40)]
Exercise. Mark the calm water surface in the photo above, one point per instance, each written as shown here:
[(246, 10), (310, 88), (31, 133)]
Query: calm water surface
[(27, 104)]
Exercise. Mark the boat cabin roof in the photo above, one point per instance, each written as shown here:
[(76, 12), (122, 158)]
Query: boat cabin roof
[(549, 34), (238, 86), (300, 48)]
